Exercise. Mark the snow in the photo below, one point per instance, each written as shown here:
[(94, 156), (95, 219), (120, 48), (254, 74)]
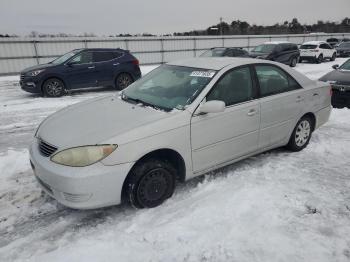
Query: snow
[(276, 206)]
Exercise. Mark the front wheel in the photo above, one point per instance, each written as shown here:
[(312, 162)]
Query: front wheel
[(150, 183), (333, 56), (319, 59), (123, 81), (293, 62), (53, 87), (301, 134)]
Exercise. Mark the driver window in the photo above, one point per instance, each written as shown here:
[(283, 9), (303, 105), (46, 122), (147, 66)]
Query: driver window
[(235, 87), (82, 58)]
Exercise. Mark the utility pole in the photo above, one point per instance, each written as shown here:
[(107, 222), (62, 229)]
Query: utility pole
[(220, 25)]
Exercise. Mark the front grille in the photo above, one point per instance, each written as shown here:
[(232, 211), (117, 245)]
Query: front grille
[(22, 77), (46, 149), (341, 87)]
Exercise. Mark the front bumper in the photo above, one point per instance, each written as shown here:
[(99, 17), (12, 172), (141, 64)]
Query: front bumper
[(343, 53), (30, 84), (88, 187), (340, 96)]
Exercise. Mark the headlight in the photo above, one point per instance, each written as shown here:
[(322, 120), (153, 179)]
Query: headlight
[(36, 72), (83, 156)]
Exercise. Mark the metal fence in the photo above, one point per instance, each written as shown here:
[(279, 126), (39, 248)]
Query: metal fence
[(19, 53)]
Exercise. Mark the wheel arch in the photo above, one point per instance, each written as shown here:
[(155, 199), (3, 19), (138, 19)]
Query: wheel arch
[(312, 117), (52, 76), (171, 155)]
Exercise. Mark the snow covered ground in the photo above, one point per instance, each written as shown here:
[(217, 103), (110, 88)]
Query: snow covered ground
[(277, 206)]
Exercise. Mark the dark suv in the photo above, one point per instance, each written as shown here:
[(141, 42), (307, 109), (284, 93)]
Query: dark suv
[(225, 51), (283, 52), (82, 68)]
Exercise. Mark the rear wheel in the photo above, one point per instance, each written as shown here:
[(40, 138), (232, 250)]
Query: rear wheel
[(123, 80), (150, 183), (319, 59), (293, 62), (333, 56), (53, 87), (301, 134)]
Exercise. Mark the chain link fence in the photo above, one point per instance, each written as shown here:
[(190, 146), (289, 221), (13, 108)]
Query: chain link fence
[(19, 53)]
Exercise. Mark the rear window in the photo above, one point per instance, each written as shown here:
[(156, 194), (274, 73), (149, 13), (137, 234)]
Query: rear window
[(345, 45), (214, 52), (308, 46), (103, 56)]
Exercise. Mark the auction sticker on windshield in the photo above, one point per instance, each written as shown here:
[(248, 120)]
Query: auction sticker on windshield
[(209, 74)]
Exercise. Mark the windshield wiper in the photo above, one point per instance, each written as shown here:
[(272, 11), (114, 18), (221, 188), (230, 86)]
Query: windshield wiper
[(139, 101)]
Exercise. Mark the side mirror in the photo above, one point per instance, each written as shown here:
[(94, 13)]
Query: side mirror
[(335, 66), (214, 106)]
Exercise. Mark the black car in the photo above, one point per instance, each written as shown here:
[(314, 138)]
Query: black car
[(339, 79), (343, 50), (333, 41), (225, 51), (82, 68), (283, 52)]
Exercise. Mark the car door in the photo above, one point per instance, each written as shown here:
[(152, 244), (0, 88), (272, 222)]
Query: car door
[(281, 104), (104, 66), (284, 54), (217, 138), (80, 70)]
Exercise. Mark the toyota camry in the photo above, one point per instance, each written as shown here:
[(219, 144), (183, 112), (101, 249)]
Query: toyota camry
[(181, 120)]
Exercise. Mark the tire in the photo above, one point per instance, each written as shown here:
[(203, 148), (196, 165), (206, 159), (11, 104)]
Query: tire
[(301, 135), (123, 80), (150, 183), (53, 87), (333, 57), (319, 59), (293, 62)]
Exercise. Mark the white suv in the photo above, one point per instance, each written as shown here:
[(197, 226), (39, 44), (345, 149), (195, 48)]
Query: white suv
[(317, 51)]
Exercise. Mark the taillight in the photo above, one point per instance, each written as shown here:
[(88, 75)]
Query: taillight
[(135, 62), (330, 91)]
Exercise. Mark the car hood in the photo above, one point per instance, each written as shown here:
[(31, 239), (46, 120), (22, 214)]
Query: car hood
[(340, 76), (37, 67), (255, 54), (98, 120)]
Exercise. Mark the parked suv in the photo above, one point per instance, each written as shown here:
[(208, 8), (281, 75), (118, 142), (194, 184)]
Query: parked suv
[(283, 52), (225, 51), (82, 68), (343, 50), (317, 51)]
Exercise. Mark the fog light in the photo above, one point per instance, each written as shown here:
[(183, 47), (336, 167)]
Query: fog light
[(32, 84), (76, 197)]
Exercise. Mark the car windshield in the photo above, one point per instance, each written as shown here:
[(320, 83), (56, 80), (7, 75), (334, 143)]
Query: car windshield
[(63, 58), (265, 48), (346, 65), (345, 45), (214, 52), (168, 87), (308, 46)]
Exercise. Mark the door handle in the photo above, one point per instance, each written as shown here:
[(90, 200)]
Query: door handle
[(316, 94), (115, 64), (299, 99), (91, 67), (251, 112)]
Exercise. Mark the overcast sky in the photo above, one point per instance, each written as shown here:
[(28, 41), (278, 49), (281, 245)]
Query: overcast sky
[(104, 17)]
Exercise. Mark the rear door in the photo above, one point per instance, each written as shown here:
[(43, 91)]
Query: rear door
[(281, 104), (217, 138), (283, 55), (105, 63), (80, 71)]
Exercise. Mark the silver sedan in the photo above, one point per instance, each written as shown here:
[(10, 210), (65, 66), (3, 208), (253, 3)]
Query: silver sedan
[(181, 120)]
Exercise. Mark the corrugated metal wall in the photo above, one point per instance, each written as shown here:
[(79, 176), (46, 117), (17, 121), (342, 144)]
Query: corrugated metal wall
[(19, 53)]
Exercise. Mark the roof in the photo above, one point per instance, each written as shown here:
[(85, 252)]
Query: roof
[(101, 49), (215, 63), (314, 42)]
